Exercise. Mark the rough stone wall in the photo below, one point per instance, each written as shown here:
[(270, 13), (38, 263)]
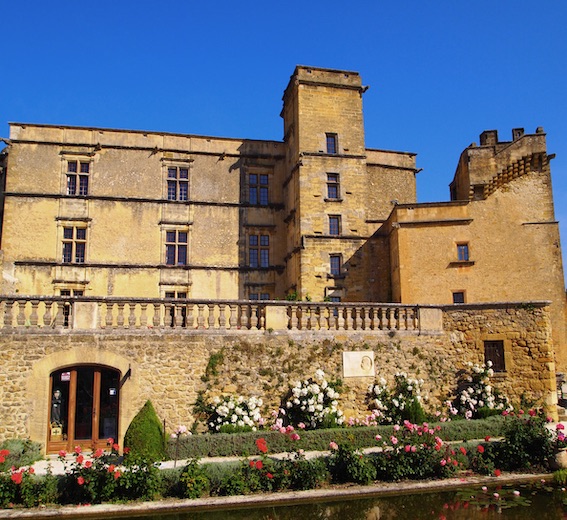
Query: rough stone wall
[(171, 368)]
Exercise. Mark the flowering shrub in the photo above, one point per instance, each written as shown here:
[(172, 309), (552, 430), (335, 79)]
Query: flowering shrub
[(478, 399), (402, 403), (230, 414), (415, 452), (313, 403), (347, 464)]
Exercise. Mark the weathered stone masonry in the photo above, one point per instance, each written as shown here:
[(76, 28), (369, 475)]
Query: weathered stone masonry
[(169, 367)]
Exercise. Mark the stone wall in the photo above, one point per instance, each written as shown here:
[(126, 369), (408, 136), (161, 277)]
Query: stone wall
[(171, 368)]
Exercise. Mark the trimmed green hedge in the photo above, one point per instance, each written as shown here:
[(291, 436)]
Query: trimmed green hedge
[(244, 444)]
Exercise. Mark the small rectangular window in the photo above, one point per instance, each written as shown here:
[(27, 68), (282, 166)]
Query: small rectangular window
[(463, 252), (458, 297), (335, 261), (494, 352), (331, 143), (333, 191), (334, 225)]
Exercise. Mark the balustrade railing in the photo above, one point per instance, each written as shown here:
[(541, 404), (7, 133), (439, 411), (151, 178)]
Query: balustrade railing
[(138, 313)]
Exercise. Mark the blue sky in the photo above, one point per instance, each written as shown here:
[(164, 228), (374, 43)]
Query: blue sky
[(440, 72)]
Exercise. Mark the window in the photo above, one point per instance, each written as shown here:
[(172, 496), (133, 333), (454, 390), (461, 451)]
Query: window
[(74, 245), (331, 143), (177, 183), (177, 313), (333, 191), (258, 250), (494, 352), (78, 177), (335, 261), (458, 297), (176, 247), (334, 225), (260, 296), (463, 252), (258, 189)]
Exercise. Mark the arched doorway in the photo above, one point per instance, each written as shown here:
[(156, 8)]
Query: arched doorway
[(83, 407)]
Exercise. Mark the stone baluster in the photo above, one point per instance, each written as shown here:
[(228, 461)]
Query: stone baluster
[(349, 320), (304, 315), (222, 316), (293, 317), (244, 320), (33, 319), (233, 319), (131, 323), (21, 315), (254, 317), (200, 316), (9, 314), (120, 315), (331, 318), (109, 315), (340, 318), (212, 317), (47, 315)]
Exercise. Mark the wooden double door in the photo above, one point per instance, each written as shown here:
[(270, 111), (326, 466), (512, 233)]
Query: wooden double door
[(83, 407)]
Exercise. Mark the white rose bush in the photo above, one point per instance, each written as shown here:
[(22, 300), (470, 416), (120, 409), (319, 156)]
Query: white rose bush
[(231, 414), (313, 403), (477, 398)]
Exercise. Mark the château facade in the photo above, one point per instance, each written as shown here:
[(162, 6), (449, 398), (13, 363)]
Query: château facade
[(318, 216), (129, 258)]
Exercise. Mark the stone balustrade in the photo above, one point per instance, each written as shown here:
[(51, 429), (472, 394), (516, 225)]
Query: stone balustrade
[(110, 313)]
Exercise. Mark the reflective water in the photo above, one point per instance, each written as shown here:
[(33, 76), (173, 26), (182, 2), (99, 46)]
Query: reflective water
[(520, 502)]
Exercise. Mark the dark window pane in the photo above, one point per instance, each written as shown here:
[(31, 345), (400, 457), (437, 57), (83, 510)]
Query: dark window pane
[(170, 236), (68, 232), (81, 233), (172, 173), (253, 257), (171, 190), (182, 237), (335, 265), (253, 296), (80, 252), (253, 240), (72, 166), (83, 185), (264, 196), (459, 297), (264, 258), (183, 191), (253, 195), (85, 167), (170, 254), (253, 179), (334, 225), (264, 240), (332, 191), (183, 173), (463, 252), (181, 255), (67, 252), (264, 296)]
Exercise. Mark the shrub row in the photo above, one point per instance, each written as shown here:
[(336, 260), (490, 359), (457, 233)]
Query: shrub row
[(243, 444)]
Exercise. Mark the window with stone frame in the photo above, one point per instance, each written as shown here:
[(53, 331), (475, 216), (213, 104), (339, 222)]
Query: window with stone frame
[(176, 247), (258, 189), (463, 252), (331, 143), (333, 186), (74, 244), (458, 296), (78, 177), (334, 224), (258, 251), (178, 183), (259, 296), (335, 261)]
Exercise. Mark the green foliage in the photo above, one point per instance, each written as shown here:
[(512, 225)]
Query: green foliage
[(347, 464), (8, 490), (145, 437), (482, 459), (22, 452), (299, 473), (193, 481), (560, 477), (527, 443), (140, 480), (215, 360)]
